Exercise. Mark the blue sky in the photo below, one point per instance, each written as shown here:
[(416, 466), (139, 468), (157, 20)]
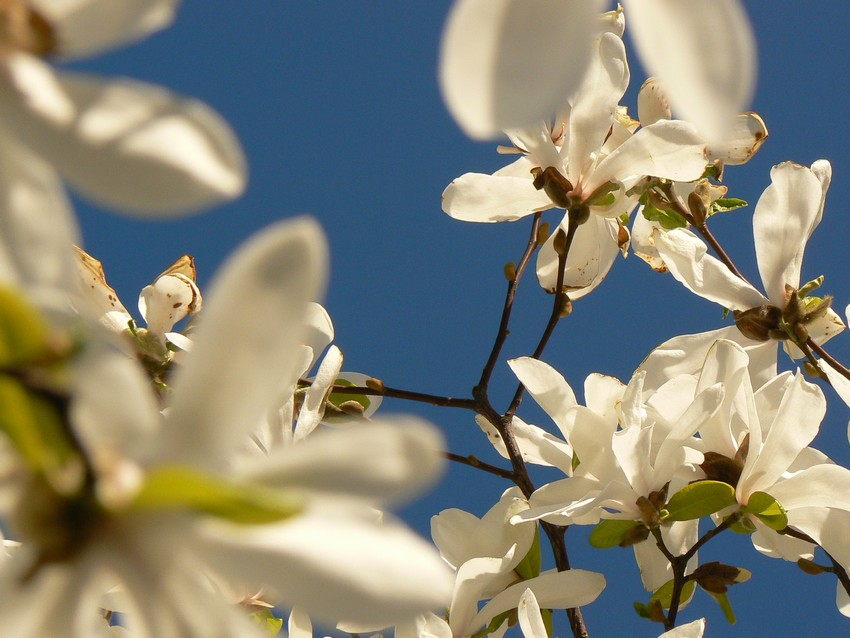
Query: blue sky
[(337, 106)]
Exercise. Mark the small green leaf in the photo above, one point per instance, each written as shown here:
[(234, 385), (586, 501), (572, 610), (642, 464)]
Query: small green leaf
[(698, 499), (743, 526), (664, 594), (610, 533), (338, 398), (529, 566), (177, 487), (641, 609), (768, 510), (725, 605), (270, 623), (24, 334), (668, 219), (725, 204)]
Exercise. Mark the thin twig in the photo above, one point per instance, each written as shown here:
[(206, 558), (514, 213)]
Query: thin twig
[(474, 461)]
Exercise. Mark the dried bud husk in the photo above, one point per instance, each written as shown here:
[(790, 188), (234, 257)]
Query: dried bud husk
[(721, 468), (760, 323), (715, 577), (635, 535), (555, 185), (656, 612), (649, 512)]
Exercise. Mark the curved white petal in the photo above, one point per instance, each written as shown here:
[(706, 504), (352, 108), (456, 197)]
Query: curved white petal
[(530, 620), (595, 104), (743, 140), (839, 383), (506, 63), (797, 422), (313, 408), (693, 629), (553, 590), (669, 148), (548, 387), (704, 53), (244, 348), (592, 254), (824, 485), (477, 197), (37, 228), (535, 444), (688, 261), (403, 460), (83, 27), (785, 216), (334, 566), (128, 145)]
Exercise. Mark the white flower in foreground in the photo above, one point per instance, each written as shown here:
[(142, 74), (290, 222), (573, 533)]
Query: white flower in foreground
[(506, 63), (165, 503), (786, 215), (125, 144)]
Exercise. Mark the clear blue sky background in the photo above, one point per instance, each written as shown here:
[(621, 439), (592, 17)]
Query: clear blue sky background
[(337, 106)]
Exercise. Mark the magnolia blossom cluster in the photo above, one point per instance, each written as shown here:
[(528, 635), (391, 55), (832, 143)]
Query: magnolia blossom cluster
[(206, 467)]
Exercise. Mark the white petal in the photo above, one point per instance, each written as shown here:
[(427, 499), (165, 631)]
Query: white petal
[(37, 228), (244, 348), (83, 27), (797, 422), (743, 140), (403, 459), (313, 408), (693, 629), (535, 444), (669, 148), (506, 63), (476, 197), (820, 486), (839, 382), (547, 386), (653, 103), (553, 590), (592, 254), (704, 53), (128, 145), (530, 620), (688, 261), (595, 104), (785, 216), (335, 566)]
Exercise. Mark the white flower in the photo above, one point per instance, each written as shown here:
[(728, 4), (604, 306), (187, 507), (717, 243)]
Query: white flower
[(125, 144), (786, 215), (506, 63), (167, 501)]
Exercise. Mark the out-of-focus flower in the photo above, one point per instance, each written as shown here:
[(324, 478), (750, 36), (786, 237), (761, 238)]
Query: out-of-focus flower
[(127, 145), (298, 522), (506, 63)]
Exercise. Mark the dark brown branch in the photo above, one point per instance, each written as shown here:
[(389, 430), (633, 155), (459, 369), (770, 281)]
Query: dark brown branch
[(473, 461), (408, 395)]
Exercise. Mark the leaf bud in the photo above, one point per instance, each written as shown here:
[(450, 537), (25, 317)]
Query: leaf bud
[(560, 242), (375, 384), (542, 233), (811, 567), (697, 208), (566, 307), (715, 577), (510, 271)]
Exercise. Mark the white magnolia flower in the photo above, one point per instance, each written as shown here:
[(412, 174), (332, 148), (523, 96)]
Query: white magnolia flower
[(167, 508), (591, 158), (506, 63), (786, 215), (125, 144)]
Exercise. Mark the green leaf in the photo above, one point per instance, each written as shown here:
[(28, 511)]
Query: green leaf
[(664, 594), (697, 500), (338, 398), (725, 605), (768, 510), (178, 487), (24, 333), (725, 204), (610, 533), (270, 623), (529, 566), (743, 525), (641, 609), (668, 219)]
